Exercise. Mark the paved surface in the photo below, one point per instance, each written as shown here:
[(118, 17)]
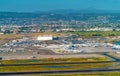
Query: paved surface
[(55, 63), (62, 72)]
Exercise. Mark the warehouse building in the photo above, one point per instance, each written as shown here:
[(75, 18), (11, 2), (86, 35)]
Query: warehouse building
[(44, 38)]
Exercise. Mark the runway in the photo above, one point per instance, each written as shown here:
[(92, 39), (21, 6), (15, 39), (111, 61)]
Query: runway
[(62, 72), (114, 59)]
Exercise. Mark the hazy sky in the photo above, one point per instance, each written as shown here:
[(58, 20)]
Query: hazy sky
[(38, 5)]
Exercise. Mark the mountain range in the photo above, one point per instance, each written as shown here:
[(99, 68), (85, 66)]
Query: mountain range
[(87, 10)]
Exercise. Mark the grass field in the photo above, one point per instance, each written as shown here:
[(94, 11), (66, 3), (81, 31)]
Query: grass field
[(97, 33), (30, 61), (50, 67), (8, 37), (86, 74), (54, 66)]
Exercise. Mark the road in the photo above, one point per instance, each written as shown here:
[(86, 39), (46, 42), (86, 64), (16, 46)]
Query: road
[(111, 57)]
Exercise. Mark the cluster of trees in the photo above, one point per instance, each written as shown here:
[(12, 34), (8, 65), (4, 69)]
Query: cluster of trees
[(97, 33)]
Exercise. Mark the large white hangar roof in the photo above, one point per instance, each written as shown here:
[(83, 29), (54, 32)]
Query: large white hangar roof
[(42, 38)]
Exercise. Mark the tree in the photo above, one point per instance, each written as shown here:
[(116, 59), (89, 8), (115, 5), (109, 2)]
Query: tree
[(114, 29)]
